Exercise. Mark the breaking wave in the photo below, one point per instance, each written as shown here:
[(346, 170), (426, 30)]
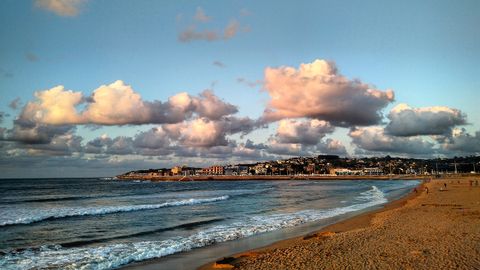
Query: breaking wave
[(25, 216), (114, 255)]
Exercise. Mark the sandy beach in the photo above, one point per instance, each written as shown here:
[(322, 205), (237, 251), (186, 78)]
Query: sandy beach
[(435, 230)]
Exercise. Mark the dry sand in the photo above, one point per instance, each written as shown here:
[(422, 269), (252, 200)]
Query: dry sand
[(438, 230)]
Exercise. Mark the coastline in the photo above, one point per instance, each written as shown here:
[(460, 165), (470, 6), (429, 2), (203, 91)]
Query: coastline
[(241, 246), (265, 177), (418, 231)]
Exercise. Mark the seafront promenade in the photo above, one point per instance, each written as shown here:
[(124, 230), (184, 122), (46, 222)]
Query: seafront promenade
[(266, 177)]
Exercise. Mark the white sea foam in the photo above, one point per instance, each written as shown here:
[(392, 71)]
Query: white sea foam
[(115, 255), (26, 216)]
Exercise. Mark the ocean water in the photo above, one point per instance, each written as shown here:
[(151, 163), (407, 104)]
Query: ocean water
[(107, 224)]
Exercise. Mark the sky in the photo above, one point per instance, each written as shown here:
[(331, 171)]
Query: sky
[(98, 88)]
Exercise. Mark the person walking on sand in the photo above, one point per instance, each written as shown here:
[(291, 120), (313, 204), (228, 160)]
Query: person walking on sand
[(445, 185), (426, 189)]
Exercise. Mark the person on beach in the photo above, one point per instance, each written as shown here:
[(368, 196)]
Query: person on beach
[(445, 185), (426, 189)]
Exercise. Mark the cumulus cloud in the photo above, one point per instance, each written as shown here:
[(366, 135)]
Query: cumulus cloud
[(210, 106), (197, 126), (331, 147), (317, 90), (242, 125), (34, 133), (200, 132), (286, 149), (120, 146), (461, 141), (98, 145), (154, 138), (328, 146), (199, 138), (66, 8), (251, 145), (39, 139), (61, 145), (438, 120), (118, 104), (307, 132), (246, 152), (55, 106), (196, 133), (375, 139)]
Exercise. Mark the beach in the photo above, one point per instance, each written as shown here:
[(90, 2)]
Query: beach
[(438, 229), (169, 225)]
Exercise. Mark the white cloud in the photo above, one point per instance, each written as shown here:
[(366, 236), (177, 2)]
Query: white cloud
[(374, 139), (332, 147), (316, 90), (438, 120), (118, 104), (307, 132), (54, 106), (210, 106), (461, 141), (200, 132)]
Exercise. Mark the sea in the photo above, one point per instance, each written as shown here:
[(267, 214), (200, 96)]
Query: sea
[(100, 223)]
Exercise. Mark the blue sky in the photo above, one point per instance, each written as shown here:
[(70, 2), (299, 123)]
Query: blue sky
[(427, 52)]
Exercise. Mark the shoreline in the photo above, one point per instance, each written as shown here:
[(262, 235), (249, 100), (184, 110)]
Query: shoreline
[(202, 178), (327, 247), (211, 253), (355, 222)]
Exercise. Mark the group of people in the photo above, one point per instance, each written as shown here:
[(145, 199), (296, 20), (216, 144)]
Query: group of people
[(444, 188)]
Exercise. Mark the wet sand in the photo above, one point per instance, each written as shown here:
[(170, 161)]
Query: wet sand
[(438, 230)]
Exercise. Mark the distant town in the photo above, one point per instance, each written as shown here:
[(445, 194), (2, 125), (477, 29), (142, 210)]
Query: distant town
[(322, 165)]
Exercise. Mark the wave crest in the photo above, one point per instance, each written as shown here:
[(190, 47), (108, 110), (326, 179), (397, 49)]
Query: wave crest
[(30, 216)]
